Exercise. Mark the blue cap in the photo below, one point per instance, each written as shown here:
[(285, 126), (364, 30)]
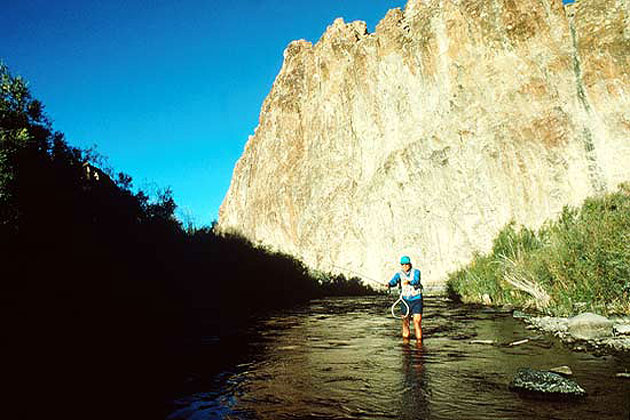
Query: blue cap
[(405, 260)]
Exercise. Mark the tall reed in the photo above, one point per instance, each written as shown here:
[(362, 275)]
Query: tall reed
[(578, 262)]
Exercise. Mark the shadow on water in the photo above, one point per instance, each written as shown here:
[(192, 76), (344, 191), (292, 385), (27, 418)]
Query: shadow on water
[(343, 358)]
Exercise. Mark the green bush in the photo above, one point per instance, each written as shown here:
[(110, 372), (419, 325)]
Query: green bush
[(579, 262)]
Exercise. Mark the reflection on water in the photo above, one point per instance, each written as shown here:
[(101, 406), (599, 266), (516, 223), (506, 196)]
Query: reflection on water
[(343, 358)]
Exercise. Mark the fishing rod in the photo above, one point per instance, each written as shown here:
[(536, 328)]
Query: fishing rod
[(400, 297), (360, 274)]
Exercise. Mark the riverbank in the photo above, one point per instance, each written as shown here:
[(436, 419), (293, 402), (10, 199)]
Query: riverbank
[(570, 278), (584, 332)]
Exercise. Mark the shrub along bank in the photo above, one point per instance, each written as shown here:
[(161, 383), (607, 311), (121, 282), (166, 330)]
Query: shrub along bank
[(99, 284), (579, 262)]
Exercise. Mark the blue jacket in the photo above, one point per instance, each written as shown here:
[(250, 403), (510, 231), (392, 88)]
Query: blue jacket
[(413, 291)]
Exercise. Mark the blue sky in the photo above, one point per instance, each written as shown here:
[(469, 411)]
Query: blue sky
[(167, 90)]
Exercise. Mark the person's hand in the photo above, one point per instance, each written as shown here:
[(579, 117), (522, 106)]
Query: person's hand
[(406, 282)]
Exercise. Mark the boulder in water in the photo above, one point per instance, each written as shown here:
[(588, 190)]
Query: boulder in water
[(589, 326), (545, 384)]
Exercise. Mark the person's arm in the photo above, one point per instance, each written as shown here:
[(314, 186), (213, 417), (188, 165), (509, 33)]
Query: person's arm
[(416, 278), (394, 281)]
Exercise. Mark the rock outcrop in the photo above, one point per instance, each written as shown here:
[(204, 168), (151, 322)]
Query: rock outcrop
[(427, 136)]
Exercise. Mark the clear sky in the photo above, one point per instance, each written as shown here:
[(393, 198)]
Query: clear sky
[(167, 90)]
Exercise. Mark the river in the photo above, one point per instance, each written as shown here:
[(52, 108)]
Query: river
[(343, 358)]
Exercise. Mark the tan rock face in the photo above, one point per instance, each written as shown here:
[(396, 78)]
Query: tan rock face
[(427, 136)]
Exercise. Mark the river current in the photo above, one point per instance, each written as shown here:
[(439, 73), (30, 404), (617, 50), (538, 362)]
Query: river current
[(343, 358)]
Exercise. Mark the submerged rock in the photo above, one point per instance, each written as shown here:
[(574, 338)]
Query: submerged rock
[(545, 384), (519, 342), (482, 342), (589, 326), (562, 370)]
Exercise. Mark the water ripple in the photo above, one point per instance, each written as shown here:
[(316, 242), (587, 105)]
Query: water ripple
[(343, 358)]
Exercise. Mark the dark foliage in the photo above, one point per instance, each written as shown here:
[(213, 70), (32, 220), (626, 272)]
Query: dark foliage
[(101, 286), (338, 285)]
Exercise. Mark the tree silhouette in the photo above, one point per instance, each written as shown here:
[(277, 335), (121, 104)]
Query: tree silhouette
[(102, 285)]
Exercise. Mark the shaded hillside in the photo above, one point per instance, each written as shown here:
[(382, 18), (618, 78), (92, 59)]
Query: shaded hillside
[(100, 284)]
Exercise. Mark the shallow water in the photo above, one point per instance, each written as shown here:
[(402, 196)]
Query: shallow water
[(343, 358)]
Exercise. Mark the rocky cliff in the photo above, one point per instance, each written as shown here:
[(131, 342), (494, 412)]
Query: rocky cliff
[(430, 134)]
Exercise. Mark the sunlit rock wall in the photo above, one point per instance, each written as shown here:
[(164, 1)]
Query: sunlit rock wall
[(430, 134)]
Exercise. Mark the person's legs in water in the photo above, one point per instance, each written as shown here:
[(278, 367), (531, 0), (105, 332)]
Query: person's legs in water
[(416, 307), (417, 326), (405, 327)]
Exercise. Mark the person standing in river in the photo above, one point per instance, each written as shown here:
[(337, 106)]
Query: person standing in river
[(408, 279)]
